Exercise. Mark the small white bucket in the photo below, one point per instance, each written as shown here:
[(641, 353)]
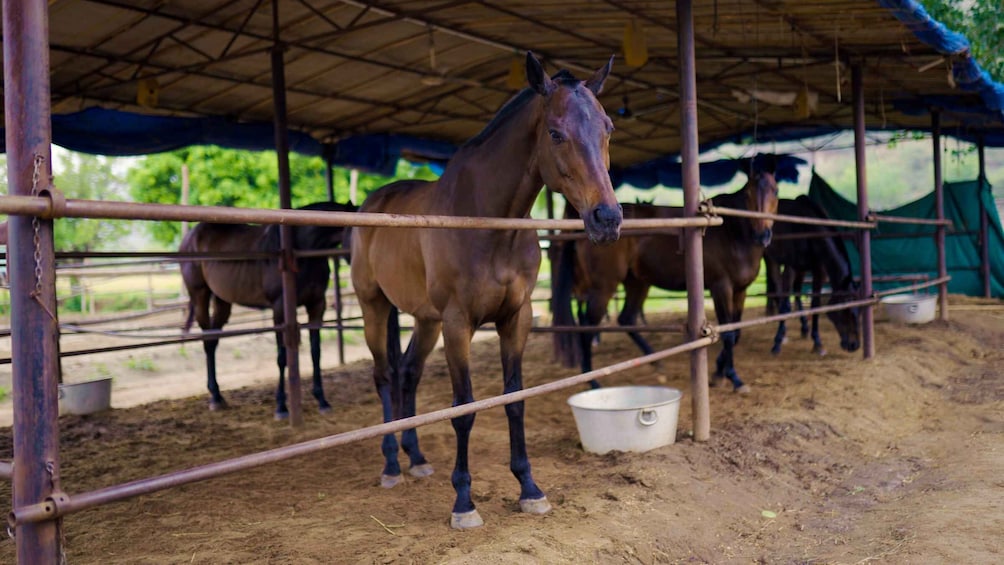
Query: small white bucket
[(910, 308), (85, 398), (626, 418)]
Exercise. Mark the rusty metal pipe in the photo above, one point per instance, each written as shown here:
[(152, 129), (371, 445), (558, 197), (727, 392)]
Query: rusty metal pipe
[(715, 210), (939, 209), (918, 286), (103, 209), (781, 317), (34, 339), (864, 236), (69, 504), (899, 220), (693, 242)]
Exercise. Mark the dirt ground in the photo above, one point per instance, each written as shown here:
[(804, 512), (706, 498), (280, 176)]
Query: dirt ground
[(895, 460)]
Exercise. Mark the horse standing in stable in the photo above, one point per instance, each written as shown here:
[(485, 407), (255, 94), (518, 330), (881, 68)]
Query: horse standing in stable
[(452, 281), (732, 256), (257, 283), (823, 258)]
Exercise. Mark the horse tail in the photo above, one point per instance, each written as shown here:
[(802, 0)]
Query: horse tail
[(191, 316), (567, 346)]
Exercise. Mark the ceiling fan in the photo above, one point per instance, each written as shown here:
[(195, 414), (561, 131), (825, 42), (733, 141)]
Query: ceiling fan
[(628, 114), (437, 75)]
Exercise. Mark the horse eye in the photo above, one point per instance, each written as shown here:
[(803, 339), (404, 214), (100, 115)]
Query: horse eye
[(556, 136)]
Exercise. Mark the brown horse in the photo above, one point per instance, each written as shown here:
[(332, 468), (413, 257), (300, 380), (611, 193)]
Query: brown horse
[(824, 258), (257, 283), (452, 281), (732, 255)]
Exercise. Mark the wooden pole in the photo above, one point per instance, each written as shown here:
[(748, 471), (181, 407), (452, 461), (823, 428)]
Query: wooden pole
[(864, 236), (693, 242)]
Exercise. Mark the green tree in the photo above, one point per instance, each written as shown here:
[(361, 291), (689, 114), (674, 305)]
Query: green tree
[(226, 177), (981, 22), (88, 177)]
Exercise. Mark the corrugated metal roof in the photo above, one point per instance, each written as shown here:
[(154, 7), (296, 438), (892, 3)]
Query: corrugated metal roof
[(437, 69)]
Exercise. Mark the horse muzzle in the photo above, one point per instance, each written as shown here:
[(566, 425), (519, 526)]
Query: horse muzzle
[(763, 238), (603, 224)]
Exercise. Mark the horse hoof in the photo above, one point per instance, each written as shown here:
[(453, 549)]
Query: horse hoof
[(280, 416), (819, 351), (535, 505), (744, 389), (217, 406), (775, 351), (389, 481), (325, 410), (419, 471), (466, 520)]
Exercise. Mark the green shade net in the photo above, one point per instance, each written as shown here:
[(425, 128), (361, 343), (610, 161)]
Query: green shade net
[(918, 255)]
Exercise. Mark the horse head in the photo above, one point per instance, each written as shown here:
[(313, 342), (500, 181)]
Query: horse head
[(847, 322), (573, 146), (761, 196)]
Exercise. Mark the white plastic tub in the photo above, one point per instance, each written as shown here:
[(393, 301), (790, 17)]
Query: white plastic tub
[(910, 308), (85, 398), (626, 418)]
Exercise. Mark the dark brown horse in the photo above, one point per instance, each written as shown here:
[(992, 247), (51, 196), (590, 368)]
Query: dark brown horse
[(823, 258), (257, 283), (452, 281), (732, 255)]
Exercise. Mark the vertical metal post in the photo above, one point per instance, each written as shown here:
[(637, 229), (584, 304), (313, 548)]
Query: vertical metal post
[(939, 209), (339, 319), (291, 331), (34, 331), (864, 236), (693, 244), (329, 180), (984, 219)]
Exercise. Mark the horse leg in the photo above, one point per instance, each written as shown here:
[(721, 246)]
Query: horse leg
[(592, 316), (376, 310), (635, 293), (315, 316), (423, 340), (220, 316), (784, 307), (281, 412), (797, 288), (512, 333), (457, 334), (817, 286), (726, 302)]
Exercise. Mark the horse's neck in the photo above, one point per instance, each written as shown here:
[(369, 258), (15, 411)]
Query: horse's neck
[(740, 229), (834, 262), (500, 176)]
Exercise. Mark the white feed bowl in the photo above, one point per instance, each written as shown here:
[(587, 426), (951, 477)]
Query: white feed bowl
[(86, 397), (626, 418), (910, 308)]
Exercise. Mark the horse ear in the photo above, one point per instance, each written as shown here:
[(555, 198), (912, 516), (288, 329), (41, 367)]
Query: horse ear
[(536, 76), (595, 82)]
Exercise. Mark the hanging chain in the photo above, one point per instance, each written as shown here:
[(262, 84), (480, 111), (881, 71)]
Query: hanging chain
[(36, 238)]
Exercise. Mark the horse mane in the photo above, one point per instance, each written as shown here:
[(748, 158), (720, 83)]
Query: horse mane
[(514, 105), (311, 237)]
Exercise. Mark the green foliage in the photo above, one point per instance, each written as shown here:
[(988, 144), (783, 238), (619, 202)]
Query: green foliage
[(4, 393), (88, 177), (226, 177), (980, 21), (141, 364)]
